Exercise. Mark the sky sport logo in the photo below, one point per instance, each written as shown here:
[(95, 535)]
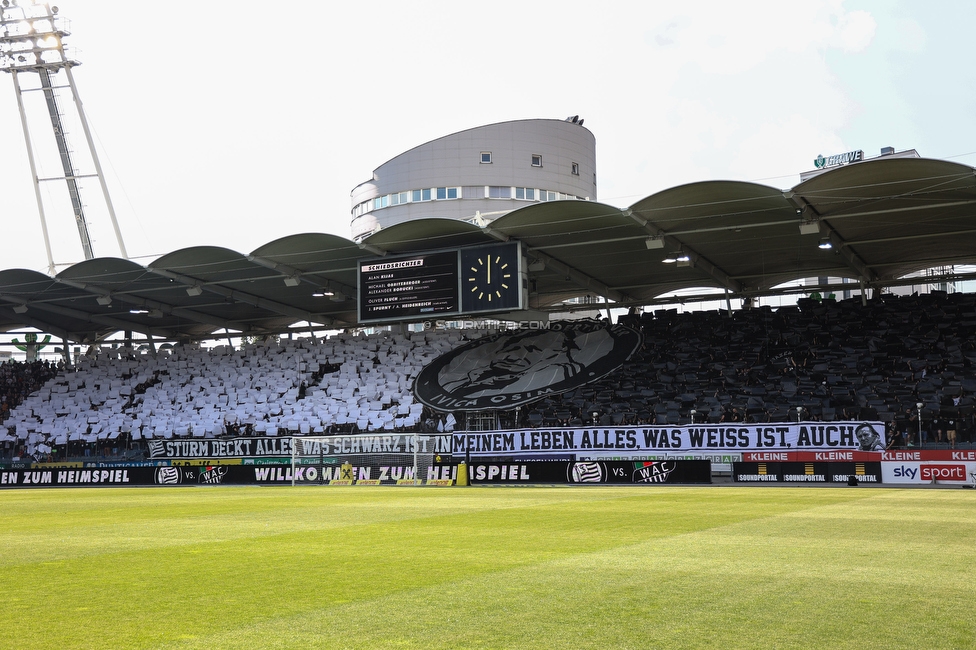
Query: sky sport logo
[(930, 473)]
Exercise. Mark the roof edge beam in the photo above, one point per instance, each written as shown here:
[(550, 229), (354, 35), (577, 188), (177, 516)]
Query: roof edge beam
[(36, 323), (701, 262), (852, 259), (304, 276), (495, 234), (250, 299), (585, 281), (88, 317), (375, 250), (182, 312)]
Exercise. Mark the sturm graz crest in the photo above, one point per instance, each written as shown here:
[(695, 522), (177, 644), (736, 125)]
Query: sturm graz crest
[(505, 370), (157, 448), (587, 472)]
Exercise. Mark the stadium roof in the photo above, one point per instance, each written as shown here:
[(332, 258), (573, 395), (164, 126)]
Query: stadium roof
[(884, 218)]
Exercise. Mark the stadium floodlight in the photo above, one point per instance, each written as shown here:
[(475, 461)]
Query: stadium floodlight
[(810, 227), (919, 406), (292, 281), (825, 244), (104, 300), (671, 258), (195, 290), (32, 42), (654, 242), (20, 309)]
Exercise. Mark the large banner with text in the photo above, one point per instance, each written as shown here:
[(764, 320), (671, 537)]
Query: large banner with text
[(283, 447), (358, 471), (345, 472), (637, 441), (658, 472)]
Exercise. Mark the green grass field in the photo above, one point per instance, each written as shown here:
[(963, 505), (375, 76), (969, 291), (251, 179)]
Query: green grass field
[(602, 567)]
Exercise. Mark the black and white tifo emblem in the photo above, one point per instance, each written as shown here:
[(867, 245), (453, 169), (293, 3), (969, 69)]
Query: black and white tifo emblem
[(512, 368)]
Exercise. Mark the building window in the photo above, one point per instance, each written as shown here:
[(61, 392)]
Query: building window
[(486, 157), (537, 160), (575, 168), (496, 192), (446, 193), (525, 193)]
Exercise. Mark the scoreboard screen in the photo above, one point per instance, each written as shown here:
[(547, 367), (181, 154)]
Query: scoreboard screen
[(471, 280), (408, 287)]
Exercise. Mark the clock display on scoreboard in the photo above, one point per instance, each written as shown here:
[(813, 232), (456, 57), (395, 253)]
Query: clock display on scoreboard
[(473, 280), (490, 278), (408, 287)]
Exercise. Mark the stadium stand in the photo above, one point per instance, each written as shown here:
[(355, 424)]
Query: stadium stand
[(824, 360), (113, 400), (829, 360)]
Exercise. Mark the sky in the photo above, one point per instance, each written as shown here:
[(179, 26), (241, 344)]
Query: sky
[(234, 124)]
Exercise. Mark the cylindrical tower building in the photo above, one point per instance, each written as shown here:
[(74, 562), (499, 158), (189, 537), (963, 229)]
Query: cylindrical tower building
[(479, 174)]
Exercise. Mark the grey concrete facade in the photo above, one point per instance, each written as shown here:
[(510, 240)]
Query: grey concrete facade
[(479, 174)]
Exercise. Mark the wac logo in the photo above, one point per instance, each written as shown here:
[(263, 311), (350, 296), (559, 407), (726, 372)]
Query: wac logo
[(211, 475), (820, 161), (653, 471), (505, 370)]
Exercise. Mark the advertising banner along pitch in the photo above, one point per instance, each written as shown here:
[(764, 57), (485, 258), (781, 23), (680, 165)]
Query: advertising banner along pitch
[(801, 436)]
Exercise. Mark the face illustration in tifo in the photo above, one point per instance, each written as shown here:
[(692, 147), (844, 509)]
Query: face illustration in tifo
[(524, 362)]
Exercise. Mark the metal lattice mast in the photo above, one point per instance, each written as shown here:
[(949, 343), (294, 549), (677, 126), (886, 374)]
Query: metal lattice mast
[(31, 40)]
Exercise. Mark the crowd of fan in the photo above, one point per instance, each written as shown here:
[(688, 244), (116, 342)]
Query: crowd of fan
[(114, 398), (818, 360), (20, 379)]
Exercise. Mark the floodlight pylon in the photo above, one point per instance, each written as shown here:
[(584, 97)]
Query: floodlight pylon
[(31, 41)]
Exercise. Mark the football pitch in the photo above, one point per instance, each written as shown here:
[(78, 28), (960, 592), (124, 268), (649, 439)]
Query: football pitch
[(597, 567)]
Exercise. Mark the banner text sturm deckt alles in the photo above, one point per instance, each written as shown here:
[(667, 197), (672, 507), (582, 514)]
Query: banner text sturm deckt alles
[(751, 437), (282, 446)]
